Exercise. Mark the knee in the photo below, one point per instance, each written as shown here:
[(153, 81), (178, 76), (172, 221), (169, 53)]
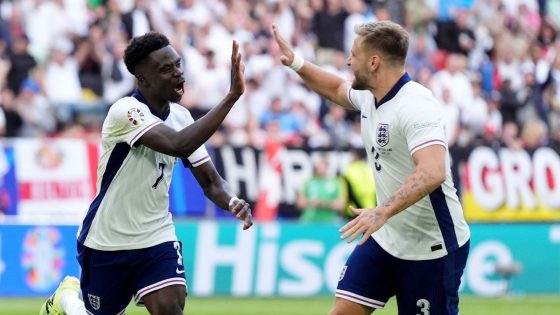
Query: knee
[(336, 311), (175, 308)]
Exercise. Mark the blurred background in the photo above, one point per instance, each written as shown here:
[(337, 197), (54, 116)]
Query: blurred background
[(494, 65)]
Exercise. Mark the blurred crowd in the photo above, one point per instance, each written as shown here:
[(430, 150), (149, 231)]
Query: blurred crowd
[(494, 65)]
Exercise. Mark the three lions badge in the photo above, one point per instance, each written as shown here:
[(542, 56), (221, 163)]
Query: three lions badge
[(382, 134)]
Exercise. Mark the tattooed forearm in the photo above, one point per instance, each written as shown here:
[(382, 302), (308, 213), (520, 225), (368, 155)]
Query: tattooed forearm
[(419, 184), (372, 215)]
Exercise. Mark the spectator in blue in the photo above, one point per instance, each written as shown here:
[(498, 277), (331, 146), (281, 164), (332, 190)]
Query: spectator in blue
[(288, 123), (419, 56)]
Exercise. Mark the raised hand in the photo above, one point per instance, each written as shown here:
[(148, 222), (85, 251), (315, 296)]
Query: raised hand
[(237, 87), (287, 56), (365, 223), (240, 208)]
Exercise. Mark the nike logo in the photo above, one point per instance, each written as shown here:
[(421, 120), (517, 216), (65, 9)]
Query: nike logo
[(179, 271), (363, 116)]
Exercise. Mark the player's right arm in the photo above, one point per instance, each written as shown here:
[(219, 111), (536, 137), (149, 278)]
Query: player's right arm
[(323, 82), (183, 143)]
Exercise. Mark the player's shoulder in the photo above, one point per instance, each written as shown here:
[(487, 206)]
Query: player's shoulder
[(415, 89), (127, 103), (179, 111), (418, 96), (174, 107), (124, 111)]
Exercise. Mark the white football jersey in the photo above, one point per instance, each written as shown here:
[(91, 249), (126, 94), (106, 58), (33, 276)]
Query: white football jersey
[(407, 119), (131, 209)]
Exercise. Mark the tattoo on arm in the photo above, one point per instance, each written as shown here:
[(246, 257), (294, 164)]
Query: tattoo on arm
[(372, 215), (417, 186)]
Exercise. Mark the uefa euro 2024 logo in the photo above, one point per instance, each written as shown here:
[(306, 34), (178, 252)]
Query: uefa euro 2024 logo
[(42, 258)]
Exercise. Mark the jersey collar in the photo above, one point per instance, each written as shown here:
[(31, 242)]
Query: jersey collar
[(394, 90), (137, 95)]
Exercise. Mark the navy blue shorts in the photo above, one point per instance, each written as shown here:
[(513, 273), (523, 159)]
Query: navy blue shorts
[(372, 276), (110, 279)]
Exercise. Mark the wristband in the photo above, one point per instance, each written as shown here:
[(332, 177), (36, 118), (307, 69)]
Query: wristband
[(297, 63), (232, 200)]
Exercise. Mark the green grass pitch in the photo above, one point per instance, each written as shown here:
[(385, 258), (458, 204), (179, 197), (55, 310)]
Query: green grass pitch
[(538, 305)]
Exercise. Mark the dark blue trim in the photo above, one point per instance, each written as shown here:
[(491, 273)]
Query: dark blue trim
[(119, 153), (394, 90), (137, 95), (443, 217)]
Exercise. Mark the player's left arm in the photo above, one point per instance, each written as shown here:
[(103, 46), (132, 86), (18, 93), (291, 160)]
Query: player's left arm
[(219, 192), (428, 174)]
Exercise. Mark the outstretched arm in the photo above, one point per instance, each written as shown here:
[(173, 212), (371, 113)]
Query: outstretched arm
[(219, 191), (323, 82), (182, 143), (426, 177)]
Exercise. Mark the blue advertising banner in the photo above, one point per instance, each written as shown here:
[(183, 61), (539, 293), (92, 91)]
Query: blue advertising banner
[(186, 198), (292, 259), (534, 247), (282, 258), (33, 259)]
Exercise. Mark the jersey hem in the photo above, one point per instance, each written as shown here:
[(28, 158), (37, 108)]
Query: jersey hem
[(429, 256), (93, 245), (460, 243)]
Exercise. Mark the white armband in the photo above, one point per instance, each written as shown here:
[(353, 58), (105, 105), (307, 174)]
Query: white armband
[(297, 63)]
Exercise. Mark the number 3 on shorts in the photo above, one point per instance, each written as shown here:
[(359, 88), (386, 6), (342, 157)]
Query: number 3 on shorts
[(177, 246), (424, 306)]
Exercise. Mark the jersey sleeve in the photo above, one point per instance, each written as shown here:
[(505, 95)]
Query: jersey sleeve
[(423, 123), (128, 120), (200, 155), (358, 98)]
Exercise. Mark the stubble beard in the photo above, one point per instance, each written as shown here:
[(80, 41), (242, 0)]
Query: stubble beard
[(358, 84)]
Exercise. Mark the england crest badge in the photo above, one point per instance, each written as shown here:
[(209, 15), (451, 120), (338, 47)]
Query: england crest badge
[(94, 301), (382, 134)]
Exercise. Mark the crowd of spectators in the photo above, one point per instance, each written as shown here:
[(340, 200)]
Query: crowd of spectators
[(494, 65)]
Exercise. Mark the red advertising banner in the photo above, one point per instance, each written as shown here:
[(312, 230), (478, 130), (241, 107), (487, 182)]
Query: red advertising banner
[(53, 177)]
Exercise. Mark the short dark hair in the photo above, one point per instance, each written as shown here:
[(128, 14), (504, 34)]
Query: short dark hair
[(388, 37), (140, 47)]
